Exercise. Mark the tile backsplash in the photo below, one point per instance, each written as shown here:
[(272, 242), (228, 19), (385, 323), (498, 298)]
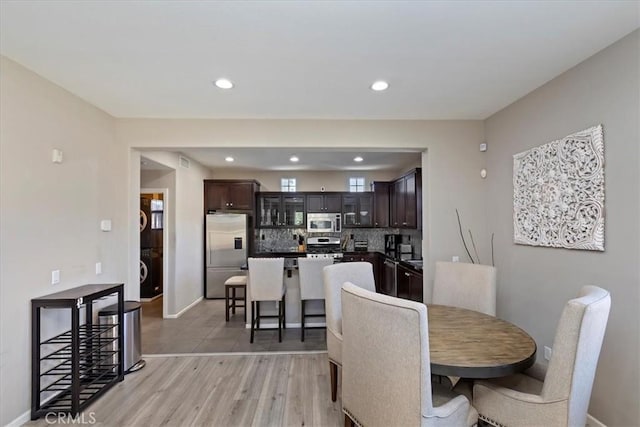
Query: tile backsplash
[(286, 240)]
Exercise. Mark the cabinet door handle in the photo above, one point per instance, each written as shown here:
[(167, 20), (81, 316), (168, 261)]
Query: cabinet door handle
[(407, 274)]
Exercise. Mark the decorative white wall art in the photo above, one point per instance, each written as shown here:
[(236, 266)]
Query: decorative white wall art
[(558, 193)]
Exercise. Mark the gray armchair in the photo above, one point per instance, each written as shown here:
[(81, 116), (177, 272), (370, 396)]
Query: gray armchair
[(471, 286), (559, 397), (360, 273), (386, 371)]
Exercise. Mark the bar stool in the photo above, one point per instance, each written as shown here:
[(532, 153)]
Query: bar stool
[(311, 286), (266, 283), (231, 301)]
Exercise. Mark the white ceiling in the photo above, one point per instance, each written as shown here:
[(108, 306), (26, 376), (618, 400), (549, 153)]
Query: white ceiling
[(309, 159), (307, 59)]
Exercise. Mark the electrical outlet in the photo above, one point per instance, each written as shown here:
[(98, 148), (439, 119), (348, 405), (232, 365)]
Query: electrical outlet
[(98, 268), (547, 353), (55, 277), (455, 258)]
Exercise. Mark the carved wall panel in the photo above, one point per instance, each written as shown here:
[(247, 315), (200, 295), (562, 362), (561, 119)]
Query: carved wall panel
[(558, 193)]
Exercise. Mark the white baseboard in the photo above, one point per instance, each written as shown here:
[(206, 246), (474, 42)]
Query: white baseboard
[(22, 419), (594, 422), (184, 310), (151, 299)]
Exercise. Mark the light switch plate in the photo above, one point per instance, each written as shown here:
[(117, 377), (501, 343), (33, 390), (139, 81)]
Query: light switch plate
[(547, 353), (455, 258), (55, 277), (98, 268)]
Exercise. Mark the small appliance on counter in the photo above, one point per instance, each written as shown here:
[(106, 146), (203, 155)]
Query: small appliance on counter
[(404, 252), (361, 245), (391, 241)]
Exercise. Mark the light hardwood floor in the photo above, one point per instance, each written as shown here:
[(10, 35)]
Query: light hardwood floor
[(203, 329), (229, 390)]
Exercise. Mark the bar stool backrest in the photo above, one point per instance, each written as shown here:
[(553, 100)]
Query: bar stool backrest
[(311, 283), (266, 279)]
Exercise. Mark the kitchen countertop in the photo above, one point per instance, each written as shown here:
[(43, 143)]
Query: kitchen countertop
[(408, 265)]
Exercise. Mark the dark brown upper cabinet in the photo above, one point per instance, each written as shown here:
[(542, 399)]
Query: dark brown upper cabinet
[(281, 210), (405, 200), (324, 202), (230, 195), (357, 210), (380, 191)]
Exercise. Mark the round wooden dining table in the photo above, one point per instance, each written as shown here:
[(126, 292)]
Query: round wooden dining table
[(469, 344)]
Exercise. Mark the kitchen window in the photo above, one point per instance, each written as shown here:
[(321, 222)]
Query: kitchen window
[(288, 184), (356, 184)]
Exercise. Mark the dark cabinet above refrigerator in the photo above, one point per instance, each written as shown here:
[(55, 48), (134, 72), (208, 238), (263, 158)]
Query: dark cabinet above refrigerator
[(222, 195)]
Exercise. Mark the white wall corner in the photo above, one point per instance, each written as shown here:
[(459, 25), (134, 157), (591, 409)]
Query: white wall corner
[(594, 422), (184, 310)]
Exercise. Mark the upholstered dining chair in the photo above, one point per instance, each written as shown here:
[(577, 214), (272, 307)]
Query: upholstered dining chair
[(311, 286), (265, 281), (386, 371), (360, 273), (560, 396), (471, 286)]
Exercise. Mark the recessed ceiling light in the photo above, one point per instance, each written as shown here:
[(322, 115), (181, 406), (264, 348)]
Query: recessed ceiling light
[(294, 158), (223, 84), (358, 159), (229, 159), (380, 85)]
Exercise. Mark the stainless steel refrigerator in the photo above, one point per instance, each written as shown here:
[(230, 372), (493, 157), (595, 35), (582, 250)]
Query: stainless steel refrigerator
[(226, 250)]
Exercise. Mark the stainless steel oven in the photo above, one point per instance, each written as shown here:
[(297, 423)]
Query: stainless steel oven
[(323, 223)]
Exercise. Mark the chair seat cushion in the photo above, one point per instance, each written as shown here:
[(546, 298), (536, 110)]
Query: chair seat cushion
[(441, 394), (236, 280)]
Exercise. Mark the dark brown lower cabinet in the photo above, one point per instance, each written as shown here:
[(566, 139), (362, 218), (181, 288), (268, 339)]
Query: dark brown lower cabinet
[(409, 283)]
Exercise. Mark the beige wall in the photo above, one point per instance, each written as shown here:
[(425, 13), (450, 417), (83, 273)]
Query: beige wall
[(451, 164), (50, 213), (186, 205), (534, 282)]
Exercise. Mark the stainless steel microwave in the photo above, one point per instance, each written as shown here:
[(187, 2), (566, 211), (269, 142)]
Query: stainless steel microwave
[(323, 222)]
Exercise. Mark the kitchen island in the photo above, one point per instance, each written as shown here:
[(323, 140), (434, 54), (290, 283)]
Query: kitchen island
[(292, 295), (404, 280)]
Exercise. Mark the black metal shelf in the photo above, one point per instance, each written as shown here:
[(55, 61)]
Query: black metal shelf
[(85, 361)]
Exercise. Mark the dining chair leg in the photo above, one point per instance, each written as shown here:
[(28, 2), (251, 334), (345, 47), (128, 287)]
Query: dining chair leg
[(245, 305), (284, 313), (302, 320), (226, 303), (333, 373), (253, 314), (258, 314), (233, 301), (280, 310)]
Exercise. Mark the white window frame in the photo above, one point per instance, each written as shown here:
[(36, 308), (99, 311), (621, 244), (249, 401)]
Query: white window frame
[(357, 184), (288, 184)]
